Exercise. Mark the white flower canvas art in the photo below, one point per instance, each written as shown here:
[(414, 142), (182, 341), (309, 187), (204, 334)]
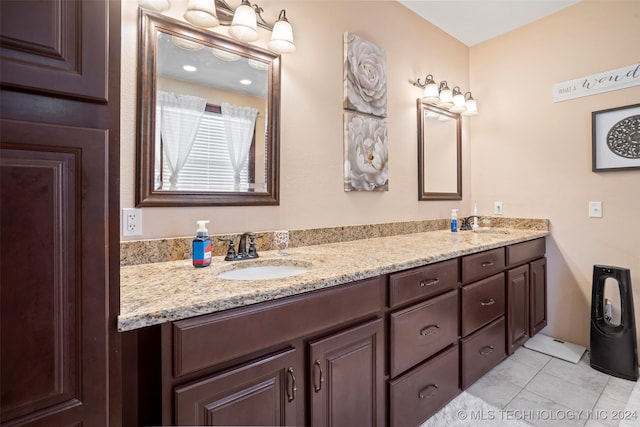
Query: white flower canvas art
[(365, 76), (365, 153)]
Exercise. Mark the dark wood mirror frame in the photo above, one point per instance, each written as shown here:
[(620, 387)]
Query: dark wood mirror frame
[(146, 195), (423, 193)]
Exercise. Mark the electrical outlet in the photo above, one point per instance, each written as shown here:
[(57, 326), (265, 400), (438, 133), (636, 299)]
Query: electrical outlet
[(497, 208), (131, 222), (595, 209)]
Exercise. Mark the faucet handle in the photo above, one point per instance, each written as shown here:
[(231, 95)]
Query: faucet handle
[(252, 245), (231, 251)]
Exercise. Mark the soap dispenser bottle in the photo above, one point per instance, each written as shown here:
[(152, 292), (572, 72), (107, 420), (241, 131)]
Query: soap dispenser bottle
[(201, 248), (454, 220)]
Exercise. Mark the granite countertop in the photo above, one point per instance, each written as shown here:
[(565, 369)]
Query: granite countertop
[(155, 293)]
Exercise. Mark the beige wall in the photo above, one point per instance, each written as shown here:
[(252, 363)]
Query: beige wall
[(535, 155), (530, 153), (311, 176)]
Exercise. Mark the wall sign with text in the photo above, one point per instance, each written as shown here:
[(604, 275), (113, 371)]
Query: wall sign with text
[(597, 83)]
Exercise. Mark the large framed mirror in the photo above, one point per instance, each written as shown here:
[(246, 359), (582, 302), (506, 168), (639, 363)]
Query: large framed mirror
[(439, 153), (208, 118)]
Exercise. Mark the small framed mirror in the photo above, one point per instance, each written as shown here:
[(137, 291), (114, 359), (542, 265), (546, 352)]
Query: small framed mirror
[(439, 153), (208, 118)]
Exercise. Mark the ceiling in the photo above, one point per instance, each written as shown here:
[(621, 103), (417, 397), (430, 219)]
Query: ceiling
[(474, 21)]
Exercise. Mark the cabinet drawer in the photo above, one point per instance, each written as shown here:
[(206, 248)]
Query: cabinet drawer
[(207, 340), (422, 282), (482, 351), (420, 393), (422, 330), (482, 302), (481, 265), (525, 251)]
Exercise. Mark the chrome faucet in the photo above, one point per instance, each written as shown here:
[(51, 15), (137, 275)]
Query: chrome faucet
[(243, 251)]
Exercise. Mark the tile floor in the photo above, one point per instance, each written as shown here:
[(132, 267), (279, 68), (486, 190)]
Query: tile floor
[(544, 391)]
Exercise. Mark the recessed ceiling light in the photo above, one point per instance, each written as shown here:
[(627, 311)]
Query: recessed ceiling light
[(245, 81), (189, 68)]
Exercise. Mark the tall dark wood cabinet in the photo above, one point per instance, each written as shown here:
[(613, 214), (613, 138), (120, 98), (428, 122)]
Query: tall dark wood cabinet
[(59, 205)]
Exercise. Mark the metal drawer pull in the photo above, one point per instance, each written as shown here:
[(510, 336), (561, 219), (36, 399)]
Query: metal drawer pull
[(486, 350), (317, 386), (490, 301), (422, 393), (429, 330), (487, 263), (430, 282), (291, 396)]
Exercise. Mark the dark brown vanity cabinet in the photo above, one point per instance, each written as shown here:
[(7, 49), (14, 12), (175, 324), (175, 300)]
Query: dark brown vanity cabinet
[(316, 359), (263, 392), (537, 296), (483, 304), (423, 350), (518, 316), (346, 377), (390, 350), (526, 292)]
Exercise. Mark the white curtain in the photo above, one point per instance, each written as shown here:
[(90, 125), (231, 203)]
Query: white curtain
[(239, 123), (180, 117)]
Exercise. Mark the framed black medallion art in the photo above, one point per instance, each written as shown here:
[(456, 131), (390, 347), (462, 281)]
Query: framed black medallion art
[(616, 138)]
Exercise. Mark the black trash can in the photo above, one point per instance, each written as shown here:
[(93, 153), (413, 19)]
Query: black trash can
[(613, 348)]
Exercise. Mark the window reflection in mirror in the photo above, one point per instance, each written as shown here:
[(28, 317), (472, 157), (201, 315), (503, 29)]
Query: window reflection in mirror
[(212, 136), (439, 153)]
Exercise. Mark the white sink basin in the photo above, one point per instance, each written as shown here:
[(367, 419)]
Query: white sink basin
[(263, 272)]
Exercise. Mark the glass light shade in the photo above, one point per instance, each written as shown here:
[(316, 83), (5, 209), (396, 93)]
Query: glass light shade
[(472, 108), (446, 97), (244, 26), (282, 36), (445, 104), (157, 5), (459, 104), (431, 94), (202, 13)]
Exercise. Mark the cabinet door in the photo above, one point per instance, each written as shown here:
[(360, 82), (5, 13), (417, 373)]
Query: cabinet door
[(346, 377), (56, 46), (538, 296), (517, 307), (257, 394), (53, 337)]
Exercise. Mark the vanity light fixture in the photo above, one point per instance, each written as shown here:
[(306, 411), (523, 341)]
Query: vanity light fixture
[(202, 13), (431, 93), (470, 104), (441, 96), (446, 96), (459, 103), (243, 26)]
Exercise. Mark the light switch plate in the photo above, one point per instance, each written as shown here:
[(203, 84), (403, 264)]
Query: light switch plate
[(497, 208), (595, 209)]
